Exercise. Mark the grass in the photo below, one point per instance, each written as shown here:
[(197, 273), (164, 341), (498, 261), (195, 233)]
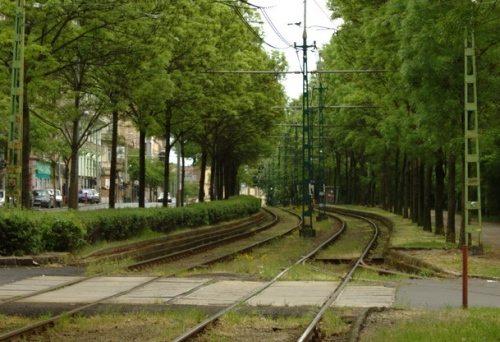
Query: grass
[(451, 260), (363, 275), (446, 325), (254, 326), (109, 267), (434, 248), (11, 323), (146, 234), (268, 261), (115, 326)]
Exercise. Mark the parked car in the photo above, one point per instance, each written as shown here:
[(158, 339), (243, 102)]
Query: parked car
[(58, 196), (161, 195), (88, 196), (43, 198)]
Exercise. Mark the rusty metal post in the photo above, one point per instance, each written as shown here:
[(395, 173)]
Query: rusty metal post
[(465, 277)]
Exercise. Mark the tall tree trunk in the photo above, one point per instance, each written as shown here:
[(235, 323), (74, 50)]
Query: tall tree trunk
[(405, 193), (397, 181), (182, 195), (112, 171), (421, 186), (212, 180), (450, 223), (346, 182), (337, 181), (203, 167), (220, 179), (439, 200), (73, 183), (427, 222), (414, 190), (388, 175), (142, 169), (167, 131)]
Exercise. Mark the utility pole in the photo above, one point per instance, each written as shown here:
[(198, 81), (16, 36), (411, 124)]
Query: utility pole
[(307, 229), (472, 191), (321, 158), (472, 178), (15, 143)]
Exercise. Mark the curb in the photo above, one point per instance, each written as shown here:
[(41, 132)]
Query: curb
[(35, 260)]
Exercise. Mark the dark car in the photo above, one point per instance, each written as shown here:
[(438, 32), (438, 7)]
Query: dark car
[(43, 198), (88, 196)]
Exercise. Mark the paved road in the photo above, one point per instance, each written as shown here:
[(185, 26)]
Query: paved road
[(435, 294)]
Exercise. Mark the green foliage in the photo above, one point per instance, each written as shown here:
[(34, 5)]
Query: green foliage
[(23, 232), (19, 233), (446, 325), (111, 225), (61, 233)]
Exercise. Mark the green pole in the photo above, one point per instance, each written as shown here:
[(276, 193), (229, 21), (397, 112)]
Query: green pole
[(307, 229), (15, 143)]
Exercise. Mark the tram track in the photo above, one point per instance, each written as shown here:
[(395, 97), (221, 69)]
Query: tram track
[(174, 247), (190, 334), (236, 232), (312, 329)]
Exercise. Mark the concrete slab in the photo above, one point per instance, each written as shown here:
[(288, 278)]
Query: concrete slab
[(161, 291), (89, 290), (34, 284), (366, 296), (295, 293), (220, 293)]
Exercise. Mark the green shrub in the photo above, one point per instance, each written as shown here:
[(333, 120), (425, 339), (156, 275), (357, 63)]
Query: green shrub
[(62, 233), (27, 232), (19, 234)]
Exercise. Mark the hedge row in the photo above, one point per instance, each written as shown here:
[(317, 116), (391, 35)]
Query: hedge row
[(26, 232)]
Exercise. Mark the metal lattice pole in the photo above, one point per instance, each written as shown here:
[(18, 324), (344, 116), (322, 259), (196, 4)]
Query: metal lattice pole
[(321, 159), (15, 143), (472, 174), (307, 229)]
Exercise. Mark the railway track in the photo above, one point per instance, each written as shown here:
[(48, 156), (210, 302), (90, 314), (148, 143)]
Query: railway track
[(168, 249), (252, 238), (251, 230), (312, 331)]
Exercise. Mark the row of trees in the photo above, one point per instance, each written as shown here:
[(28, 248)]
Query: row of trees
[(403, 148), (89, 64)]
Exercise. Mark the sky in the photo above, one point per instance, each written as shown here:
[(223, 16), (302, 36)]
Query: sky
[(287, 18)]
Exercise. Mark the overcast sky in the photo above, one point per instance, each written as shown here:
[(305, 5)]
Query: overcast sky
[(284, 26)]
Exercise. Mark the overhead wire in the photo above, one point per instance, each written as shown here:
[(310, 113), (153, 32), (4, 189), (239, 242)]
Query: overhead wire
[(273, 27), (250, 27)]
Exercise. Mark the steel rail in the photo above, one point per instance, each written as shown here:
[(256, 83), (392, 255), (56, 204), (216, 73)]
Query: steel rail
[(201, 247), (176, 242), (220, 231), (19, 333), (191, 333), (310, 330)]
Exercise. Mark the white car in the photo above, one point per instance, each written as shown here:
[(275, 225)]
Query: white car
[(58, 196), (161, 195), (2, 198)]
